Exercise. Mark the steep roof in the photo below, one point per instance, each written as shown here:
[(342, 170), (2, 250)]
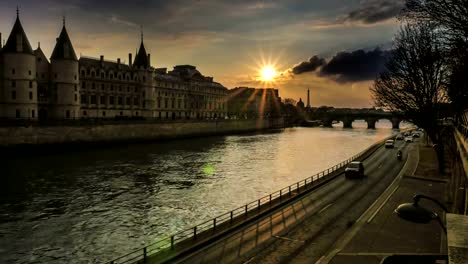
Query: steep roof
[(63, 48), (141, 59), (40, 54), (17, 41), (107, 65)]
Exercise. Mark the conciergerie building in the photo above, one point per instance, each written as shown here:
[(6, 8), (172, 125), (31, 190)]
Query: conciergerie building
[(65, 87)]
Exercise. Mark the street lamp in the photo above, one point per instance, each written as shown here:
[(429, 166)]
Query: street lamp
[(415, 213)]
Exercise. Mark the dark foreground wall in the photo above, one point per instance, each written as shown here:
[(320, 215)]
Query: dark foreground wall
[(35, 135)]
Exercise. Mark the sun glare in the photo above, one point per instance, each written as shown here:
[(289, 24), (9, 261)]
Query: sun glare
[(268, 73)]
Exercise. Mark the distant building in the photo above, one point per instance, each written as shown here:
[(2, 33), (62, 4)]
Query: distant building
[(300, 104), (33, 88), (245, 102)]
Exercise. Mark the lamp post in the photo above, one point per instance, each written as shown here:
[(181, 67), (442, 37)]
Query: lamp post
[(413, 212)]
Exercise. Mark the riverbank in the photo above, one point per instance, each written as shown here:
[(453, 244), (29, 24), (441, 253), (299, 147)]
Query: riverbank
[(128, 132), (379, 233)]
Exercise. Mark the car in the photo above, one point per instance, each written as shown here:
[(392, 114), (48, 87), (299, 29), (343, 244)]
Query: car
[(399, 137), (415, 134), (389, 143), (355, 169), (406, 134), (409, 139)]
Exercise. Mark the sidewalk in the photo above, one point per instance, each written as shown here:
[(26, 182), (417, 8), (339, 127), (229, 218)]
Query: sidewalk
[(380, 232)]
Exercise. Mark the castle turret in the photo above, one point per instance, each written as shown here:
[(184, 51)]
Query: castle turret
[(65, 89), (18, 88), (145, 76)]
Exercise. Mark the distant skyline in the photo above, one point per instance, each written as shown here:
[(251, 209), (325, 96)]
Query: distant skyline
[(327, 46)]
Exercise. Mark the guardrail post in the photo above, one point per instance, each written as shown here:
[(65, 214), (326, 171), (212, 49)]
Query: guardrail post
[(172, 242), (144, 255), (281, 193), (195, 232), (270, 199), (231, 216), (258, 206), (297, 187), (246, 209), (289, 191)]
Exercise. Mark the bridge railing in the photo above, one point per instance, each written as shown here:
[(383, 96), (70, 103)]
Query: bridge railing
[(174, 244)]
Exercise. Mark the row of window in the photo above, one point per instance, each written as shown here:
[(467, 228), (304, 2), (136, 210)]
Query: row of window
[(110, 75), (13, 95), (111, 87), (13, 84), (85, 99), (18, 113)]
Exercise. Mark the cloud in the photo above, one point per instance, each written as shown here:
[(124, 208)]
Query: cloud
[(358, 65), (115, 19), (374, 11), (308, 66), (355, 66)]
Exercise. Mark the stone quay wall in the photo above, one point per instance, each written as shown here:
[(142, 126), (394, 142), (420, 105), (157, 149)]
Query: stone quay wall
[(107, 133)]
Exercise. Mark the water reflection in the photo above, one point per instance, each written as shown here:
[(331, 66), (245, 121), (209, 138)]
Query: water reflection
[(93, 205)]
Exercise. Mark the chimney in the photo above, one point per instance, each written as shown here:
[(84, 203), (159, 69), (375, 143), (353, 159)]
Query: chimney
[(102, 58), (149, 60), (130, 59), (118, 60)]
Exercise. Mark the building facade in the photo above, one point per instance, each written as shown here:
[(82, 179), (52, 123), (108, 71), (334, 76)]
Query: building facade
[(32, 87)]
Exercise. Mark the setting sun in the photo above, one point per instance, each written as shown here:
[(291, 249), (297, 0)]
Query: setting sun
[(268, 73)]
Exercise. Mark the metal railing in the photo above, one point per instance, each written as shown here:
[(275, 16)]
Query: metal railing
[(239, 215)]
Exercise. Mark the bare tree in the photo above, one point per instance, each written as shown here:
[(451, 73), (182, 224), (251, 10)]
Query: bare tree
[(290, 101), (413, 83), (451, 19), (451, 15)]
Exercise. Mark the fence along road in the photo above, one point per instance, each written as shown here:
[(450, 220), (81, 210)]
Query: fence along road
[(207, 233)]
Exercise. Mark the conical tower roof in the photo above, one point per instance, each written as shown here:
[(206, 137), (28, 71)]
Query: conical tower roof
[(141, 59), (63, 48), (17, 41)]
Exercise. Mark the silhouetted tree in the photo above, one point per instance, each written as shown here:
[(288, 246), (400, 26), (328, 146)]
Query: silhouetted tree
[(450, 15), (413, 83), (451, 19), (290, 101)]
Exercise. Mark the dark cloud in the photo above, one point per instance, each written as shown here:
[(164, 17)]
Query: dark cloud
[(307, 66), (373, 11), (358, 65)]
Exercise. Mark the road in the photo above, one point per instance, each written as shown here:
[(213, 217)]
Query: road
[(302, 231)]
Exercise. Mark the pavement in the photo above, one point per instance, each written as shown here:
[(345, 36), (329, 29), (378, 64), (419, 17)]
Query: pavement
[(379, 232)]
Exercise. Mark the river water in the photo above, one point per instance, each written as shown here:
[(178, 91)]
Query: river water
[(95, 205)]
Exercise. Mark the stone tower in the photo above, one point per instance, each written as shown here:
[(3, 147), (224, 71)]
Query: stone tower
[(308, 98), (65, 89), (18, 88), (142, 67)]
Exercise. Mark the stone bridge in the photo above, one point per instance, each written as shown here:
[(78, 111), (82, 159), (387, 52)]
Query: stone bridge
[(347, 117)]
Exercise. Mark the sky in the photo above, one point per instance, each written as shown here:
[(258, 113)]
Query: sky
[(335, 48)]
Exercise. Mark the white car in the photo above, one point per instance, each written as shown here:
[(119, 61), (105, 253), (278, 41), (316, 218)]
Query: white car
[(409, 139), (389, 143)]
